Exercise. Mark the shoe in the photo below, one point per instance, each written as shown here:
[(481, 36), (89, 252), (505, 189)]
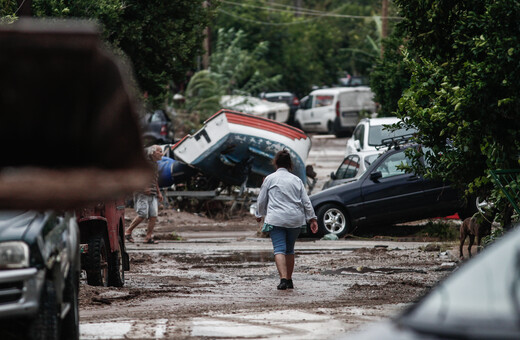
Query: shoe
[(282, 285), (151, 241), (129, 238), (290, 284)]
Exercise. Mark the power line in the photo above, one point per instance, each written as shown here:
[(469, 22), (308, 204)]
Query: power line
[(303, 11), (265, 22)]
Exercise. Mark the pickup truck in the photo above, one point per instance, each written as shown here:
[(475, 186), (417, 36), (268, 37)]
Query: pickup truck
[(39, 275)]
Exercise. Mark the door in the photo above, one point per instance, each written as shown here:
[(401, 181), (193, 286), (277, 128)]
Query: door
[(396, 195)]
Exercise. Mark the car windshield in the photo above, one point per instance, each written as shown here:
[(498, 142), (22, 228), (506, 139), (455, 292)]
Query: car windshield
[(481, 298), (379, 132)]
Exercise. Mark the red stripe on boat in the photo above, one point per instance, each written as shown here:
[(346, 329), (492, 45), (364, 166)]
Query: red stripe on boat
[(247, 119)]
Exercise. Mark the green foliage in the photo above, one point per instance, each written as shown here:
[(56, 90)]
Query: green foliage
[(308, 50), (160, 38), (390, 77), (234, 70), (463, 57)]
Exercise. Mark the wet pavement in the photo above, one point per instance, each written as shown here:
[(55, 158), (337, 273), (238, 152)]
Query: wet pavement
[(225, 288), (219, 280)]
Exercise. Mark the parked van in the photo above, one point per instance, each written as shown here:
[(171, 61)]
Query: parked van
[(334, 110)]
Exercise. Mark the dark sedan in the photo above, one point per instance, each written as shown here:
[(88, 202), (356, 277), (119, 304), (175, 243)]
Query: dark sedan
[(385, 194)]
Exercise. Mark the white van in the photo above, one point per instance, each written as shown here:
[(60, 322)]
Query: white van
[(334, 110)]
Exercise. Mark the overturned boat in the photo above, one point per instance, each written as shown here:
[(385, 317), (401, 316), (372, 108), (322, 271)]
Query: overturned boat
[(238, 148)]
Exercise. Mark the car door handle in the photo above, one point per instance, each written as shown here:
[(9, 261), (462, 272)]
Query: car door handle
[(413, 178)]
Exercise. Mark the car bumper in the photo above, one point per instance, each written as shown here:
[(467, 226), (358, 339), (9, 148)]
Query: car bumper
[(20, 291)]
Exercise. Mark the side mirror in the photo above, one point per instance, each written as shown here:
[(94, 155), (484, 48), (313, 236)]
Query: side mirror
[(357, 145), (375, 176), (332, 175)]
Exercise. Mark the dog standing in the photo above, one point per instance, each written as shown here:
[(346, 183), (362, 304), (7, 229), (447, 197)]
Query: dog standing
[(472, 228)]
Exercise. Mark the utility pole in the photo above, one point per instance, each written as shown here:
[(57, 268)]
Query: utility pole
[(207, 43), (298, 5), (24, 8), (384, 24)]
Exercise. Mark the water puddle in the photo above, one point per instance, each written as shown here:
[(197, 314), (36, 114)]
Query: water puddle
[(235, 257), (365, 270)]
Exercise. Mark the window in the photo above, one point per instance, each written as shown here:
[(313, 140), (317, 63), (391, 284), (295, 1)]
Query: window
[(349, 168), (389, 167), (323, 101), (359, 134)]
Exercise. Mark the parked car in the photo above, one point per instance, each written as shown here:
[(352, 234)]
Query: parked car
[(283, 97), (352, 167), (334, 110), (480, 300), (257, 107), (370, 133), (386, 194), (157, 128), (39, 275)]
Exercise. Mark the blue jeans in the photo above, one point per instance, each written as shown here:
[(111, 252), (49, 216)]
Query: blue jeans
[(284, 239)]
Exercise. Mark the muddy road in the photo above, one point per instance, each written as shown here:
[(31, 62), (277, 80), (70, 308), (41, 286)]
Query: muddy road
[(215, 278)]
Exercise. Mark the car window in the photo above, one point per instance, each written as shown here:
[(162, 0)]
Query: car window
[(378, 132), (323, 101), (370, 159), (389, 167), (306, 102), (349, 168), (360, 136)]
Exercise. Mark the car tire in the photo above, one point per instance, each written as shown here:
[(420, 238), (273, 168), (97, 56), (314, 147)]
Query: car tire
[(70, 325), (330, 128), (46, 324), (332, 220), (97, 260), (116, 274)]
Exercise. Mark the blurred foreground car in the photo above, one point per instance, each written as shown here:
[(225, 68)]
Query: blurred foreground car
[(370, 132), (283, 97), (480, 300), (352, 167), (157, 128), (385, 194), (39, 275)]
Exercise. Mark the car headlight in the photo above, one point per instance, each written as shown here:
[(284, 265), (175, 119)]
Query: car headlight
[(14, 255)]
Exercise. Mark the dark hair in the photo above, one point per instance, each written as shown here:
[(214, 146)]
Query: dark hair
[(282, 159)]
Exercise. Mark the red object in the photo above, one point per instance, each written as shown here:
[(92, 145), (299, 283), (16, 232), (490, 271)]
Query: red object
[(337, 108), (296, 101)]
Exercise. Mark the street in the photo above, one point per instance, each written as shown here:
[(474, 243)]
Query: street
[(216, 279)]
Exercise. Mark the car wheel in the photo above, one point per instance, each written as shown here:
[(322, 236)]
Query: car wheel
[(46, 324), (330, 128), (70, 325), (97, 261), (332, 220), (116, 274)]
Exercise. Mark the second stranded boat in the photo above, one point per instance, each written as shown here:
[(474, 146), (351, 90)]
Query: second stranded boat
[(238, 148)]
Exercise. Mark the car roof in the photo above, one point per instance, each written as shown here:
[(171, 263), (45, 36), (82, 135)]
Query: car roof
[(382, 120), (336, 90), (274, 94)]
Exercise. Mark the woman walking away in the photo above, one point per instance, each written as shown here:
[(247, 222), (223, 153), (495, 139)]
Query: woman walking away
[(286, 207)]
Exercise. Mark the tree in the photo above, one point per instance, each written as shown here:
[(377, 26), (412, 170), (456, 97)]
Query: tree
[(162, 39), (309, 46), (463, 56), (233, 70)]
